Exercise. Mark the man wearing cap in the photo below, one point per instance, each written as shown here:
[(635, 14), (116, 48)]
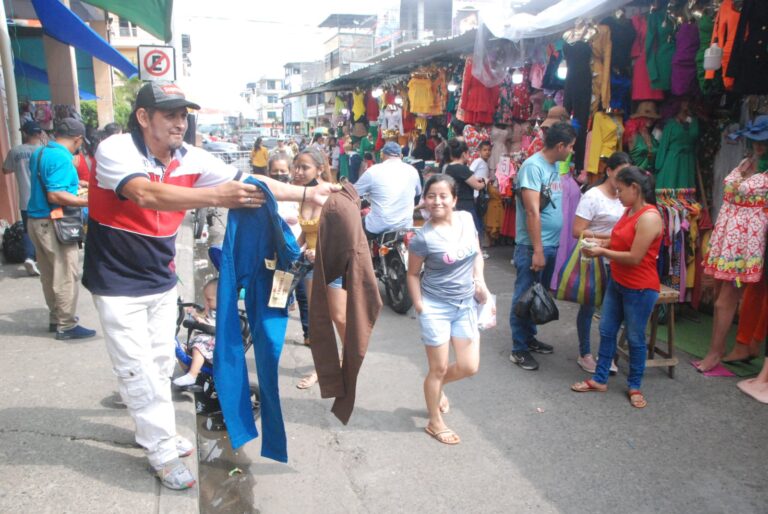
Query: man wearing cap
[(282, 150), (391, 187), (17, 161), (53, 184), (145, 181)]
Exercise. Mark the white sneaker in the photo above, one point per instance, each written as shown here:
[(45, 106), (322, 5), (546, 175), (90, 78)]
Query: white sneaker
[(184, 380), (613, 370), (31, 267)]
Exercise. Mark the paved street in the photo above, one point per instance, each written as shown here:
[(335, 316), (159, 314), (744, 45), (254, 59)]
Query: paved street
[(528, 443)]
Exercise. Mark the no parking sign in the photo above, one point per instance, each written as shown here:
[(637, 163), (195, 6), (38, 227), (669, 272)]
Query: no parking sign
[(157, 62)]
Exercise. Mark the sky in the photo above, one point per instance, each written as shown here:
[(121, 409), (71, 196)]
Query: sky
[(241, 41)]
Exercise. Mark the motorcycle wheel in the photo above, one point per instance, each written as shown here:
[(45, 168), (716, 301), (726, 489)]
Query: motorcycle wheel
[(396, 285), (199, 222)]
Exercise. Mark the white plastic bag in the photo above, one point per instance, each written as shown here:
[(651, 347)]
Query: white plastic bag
[(486, 313)]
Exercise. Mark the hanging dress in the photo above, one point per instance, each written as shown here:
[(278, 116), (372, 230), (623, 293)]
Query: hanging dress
[(641, 82), (737, 245), (676, 160), (601, 68), (578, 90), (684, 78), (659, 49)]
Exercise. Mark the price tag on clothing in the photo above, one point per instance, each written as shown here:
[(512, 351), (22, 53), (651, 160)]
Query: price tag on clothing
[(281, 284)]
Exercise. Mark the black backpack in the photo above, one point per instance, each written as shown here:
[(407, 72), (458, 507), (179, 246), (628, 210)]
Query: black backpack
[(13, 244)]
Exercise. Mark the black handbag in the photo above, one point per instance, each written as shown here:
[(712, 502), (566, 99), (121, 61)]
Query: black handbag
[(481, 202), (67, 220), (537, 305)]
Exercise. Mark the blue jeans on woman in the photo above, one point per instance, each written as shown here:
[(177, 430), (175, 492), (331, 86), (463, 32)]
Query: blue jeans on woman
[(633, 307)]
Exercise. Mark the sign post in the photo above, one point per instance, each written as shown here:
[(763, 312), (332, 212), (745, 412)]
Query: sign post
[(157, 62)]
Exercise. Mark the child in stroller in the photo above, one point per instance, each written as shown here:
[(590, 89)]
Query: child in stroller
[(203, 339)]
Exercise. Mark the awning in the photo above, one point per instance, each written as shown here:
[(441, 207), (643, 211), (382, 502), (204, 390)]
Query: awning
[(33, 72), (63, 25), (400, 64), (154, 16)]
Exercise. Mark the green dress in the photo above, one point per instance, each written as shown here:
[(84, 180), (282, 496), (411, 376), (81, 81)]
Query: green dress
[(639, 154), (344, 165), (659, 49), (676, 158)]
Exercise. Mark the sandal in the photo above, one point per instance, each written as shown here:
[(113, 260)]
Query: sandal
[(636, 398), (446, 436), (308, 381), (589, 386)]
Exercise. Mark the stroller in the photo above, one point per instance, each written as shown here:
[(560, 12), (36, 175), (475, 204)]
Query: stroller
[(204, 389)]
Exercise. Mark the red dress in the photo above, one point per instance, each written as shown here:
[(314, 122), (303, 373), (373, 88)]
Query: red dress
[(478, 103), (641, 81)]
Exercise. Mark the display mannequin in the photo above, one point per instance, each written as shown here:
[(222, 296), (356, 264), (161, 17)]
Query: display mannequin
[(676, 160)]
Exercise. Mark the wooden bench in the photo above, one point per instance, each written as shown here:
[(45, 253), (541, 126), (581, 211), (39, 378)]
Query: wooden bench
[(666, 296)]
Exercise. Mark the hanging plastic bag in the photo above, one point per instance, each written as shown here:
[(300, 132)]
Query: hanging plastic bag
[(537, 305), (486, 313)]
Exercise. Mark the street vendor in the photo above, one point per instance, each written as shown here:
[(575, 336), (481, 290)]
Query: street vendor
[(144, 182)]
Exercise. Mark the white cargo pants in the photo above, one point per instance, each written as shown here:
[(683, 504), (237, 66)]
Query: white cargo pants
[(140, 335)]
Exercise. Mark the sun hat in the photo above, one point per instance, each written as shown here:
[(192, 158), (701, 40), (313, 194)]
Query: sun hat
[(756, 130), (646, 109), (555, 114)]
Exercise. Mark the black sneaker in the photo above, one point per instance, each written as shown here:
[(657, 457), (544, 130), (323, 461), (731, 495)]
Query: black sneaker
[(537, 346), (525, 360)]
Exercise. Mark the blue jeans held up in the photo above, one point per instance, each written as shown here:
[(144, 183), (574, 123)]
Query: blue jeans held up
[(523, 330), (633, 307)]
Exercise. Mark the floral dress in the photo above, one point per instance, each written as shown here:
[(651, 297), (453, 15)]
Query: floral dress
[(737, 245)]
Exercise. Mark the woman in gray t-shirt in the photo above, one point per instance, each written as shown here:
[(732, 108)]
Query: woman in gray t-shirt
[(445, 296)]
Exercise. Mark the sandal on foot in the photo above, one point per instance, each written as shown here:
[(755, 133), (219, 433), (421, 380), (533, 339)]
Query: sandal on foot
[(307, 382), (444, 409), (636, 399), (446, 436), (588, 386)]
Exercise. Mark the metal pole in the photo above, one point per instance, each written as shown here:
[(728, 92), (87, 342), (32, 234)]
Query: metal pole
[(10, 80)]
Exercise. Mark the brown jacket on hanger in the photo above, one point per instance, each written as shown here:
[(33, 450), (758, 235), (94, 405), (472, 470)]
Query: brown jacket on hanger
[(342, 251)]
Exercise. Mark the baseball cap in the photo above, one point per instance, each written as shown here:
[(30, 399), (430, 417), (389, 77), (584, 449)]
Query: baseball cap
[(392, 149), (30, 128), (70, 127), (162, 95)]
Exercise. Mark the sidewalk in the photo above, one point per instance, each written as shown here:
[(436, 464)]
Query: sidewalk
[(65, 444)]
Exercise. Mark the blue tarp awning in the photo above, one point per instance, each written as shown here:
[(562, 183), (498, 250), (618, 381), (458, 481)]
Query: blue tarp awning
[(63, 25), (40, 75)]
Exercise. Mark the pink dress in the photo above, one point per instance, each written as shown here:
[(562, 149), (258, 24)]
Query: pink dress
[(641, 81), (737, 246)]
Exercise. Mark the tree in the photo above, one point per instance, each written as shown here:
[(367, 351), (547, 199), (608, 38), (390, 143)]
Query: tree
[(89, 114), (123, 98)]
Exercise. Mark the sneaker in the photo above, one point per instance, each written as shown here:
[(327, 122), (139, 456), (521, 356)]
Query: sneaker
[(525, 360), (75, 333), (613, 370), (175, 475), (184, 380), (31, 267), (587, 363), (184, 447), (537, 346), (485, 254)]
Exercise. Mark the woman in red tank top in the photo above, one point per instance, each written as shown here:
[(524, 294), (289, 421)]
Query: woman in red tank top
[(634, 286)]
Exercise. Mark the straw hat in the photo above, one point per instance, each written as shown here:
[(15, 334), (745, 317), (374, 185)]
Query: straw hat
[(556, 114), (646, 109)]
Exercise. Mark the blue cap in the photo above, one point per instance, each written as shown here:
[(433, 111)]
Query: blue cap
[(392, 149)]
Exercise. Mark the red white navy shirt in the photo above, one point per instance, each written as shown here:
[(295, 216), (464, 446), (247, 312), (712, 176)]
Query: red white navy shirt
[(130, 250)]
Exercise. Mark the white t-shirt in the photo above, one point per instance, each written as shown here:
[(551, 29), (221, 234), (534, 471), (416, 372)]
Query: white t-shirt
[(601, 212), (391, 188), (480, 170)]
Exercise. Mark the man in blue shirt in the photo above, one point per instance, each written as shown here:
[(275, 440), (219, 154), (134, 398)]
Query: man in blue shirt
[(53, 184), (539, 221)]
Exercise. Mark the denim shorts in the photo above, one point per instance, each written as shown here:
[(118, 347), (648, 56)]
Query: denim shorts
[(336, 284), (440, 321)]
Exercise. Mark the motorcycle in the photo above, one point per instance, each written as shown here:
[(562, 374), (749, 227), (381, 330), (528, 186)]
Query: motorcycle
[(389, 252)]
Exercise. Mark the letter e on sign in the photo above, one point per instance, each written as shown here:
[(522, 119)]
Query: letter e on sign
[(157, 62)]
